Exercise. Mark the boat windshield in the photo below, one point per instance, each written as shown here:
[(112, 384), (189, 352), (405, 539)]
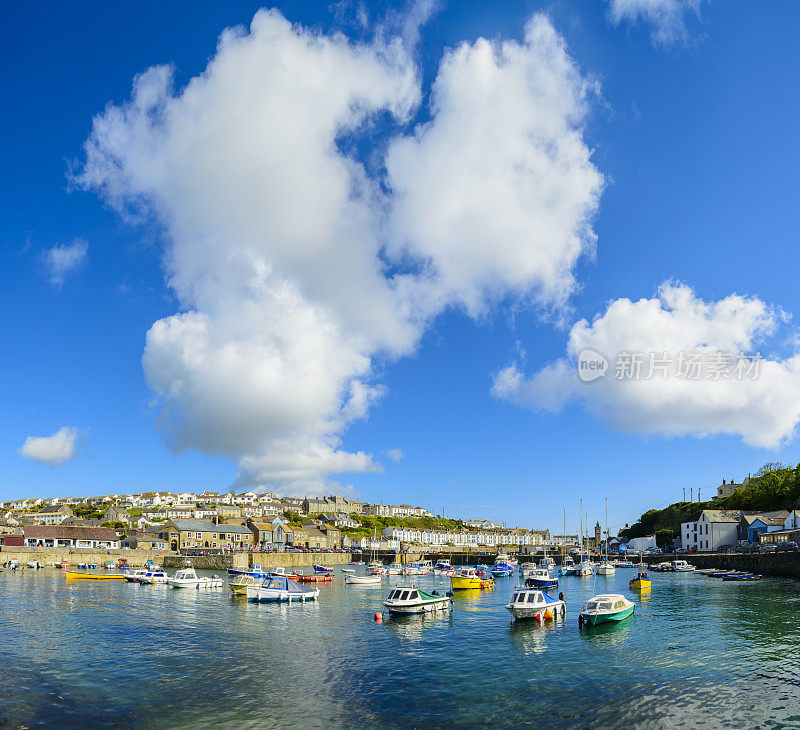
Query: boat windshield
[(619, 604), (404, 595), (414, 595), (532, 598), (604, 606)]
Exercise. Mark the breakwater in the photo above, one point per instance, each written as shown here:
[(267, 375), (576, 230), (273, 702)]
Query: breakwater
[(73, 556), (785, 565), (248, 560)]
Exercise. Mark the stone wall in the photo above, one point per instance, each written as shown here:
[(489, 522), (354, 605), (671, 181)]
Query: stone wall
[(786, 565), (48, 556), (242, 561)]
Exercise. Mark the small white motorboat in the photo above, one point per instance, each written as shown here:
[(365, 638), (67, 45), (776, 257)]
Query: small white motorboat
[(187, 578), (535, 604), (151, 577), (681, 566), (135, 576), (241, 583), (609, 607), (362, 579), (606, 568), (348, 570), (410, 599), (394, 570), (278, 589)]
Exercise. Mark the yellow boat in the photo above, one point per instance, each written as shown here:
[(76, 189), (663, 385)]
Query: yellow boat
[(75, 575), (468, 578), (640, 583)]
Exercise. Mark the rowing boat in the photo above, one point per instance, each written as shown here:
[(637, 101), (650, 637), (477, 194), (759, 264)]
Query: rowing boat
[(75, 575)]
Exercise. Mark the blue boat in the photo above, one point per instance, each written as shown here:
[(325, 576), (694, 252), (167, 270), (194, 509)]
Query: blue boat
[(256, 572), (541, 578), (322, 569), (502, 570)]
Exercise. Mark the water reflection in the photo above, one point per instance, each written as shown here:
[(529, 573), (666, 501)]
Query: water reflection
[(101, 654)]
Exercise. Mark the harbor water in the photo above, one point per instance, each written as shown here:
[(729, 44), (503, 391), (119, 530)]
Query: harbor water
[(698, 652)]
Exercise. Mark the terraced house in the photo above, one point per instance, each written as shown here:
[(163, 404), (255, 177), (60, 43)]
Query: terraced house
[(183, 534)]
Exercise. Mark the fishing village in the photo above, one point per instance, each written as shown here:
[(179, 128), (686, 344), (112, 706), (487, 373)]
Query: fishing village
[(401, 364)]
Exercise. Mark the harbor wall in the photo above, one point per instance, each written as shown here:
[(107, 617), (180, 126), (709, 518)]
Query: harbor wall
[(248, 560), (785, 565), (73, 556)]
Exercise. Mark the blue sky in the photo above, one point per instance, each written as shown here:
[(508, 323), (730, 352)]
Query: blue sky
[(694, 139)]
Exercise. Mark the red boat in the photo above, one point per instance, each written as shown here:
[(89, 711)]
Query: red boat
[(323, 578)]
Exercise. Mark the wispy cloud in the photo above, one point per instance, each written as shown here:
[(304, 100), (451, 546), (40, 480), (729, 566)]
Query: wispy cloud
[(395, 454), (60, 260), (667, 18)]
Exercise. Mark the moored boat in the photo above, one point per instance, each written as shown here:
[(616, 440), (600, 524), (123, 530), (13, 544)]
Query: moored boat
[(324, 570), (501, 570), (536, 604), (606, 608), (568, 567), (541, 578), (241, 583), (76, 575), (468, 578), (362, 579), (409, 600), (134, 576), (188, 578), (153, 577), (279, 589), (256, 572), (321, 578), (640, 583), (681, 566)]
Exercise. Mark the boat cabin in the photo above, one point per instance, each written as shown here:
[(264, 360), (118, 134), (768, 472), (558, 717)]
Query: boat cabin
[(529, 598), (403, 594), (606, 603)]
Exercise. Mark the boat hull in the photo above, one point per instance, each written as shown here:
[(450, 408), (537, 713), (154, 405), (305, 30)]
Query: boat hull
[(637, 584), (543, 583), (539, 613), (272, 595), (595, 619), (427, 607), (460, 583), (72, 575)]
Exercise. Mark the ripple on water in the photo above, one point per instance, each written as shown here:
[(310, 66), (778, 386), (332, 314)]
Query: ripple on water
[(93, 655)]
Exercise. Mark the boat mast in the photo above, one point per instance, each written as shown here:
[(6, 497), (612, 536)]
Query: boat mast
[(606, 560), (580, 509)]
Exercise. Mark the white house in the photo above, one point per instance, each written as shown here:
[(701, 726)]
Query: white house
[(792, 522), (715, 528), (638, 544)]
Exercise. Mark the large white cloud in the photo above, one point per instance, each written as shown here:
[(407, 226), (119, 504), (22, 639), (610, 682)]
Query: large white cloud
[(278, 248), (497, 192), (52, 450), (674, 330), (667, 17)]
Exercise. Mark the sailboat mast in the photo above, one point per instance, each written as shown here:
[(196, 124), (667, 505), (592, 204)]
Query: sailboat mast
[(580, 509)]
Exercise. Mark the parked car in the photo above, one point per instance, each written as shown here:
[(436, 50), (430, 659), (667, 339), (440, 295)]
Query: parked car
[(788, 547), (682, 551), (725, 549), (768, 548)]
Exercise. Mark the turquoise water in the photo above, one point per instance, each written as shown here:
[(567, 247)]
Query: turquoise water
[(697, 653)]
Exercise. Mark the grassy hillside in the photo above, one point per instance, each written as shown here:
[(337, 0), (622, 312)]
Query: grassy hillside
[(774, 487)]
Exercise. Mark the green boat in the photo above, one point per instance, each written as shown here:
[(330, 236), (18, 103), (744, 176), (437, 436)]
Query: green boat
[(606, 608)]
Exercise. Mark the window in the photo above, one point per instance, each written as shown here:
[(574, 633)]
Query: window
[(404, 595), (531, 598), (199, 535)]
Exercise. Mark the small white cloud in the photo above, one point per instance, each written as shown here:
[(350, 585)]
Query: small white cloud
[(395, 455), (61, 260), (52, 450), (667, 17)]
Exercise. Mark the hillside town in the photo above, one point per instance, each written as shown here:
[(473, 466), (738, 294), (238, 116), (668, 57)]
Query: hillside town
[(212, 521)]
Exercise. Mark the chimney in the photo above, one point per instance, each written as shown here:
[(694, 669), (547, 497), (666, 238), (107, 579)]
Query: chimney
[(723, 481)]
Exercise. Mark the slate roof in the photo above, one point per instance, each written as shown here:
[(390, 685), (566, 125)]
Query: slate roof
[(35, 532)]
